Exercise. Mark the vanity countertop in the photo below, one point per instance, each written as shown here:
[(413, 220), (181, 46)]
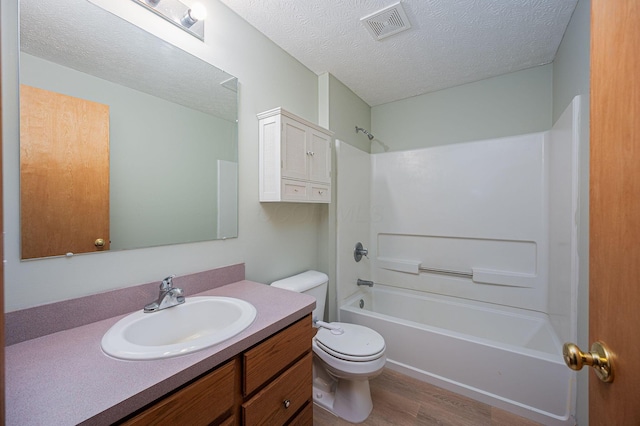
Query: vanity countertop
[(64, 378)]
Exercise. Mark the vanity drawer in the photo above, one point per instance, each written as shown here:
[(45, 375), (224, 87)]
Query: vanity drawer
[(269, 358), (283, 397), (208, 399), (294, 190), (320, 192)]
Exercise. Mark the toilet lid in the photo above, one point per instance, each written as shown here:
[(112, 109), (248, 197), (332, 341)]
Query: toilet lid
[(357, 343)]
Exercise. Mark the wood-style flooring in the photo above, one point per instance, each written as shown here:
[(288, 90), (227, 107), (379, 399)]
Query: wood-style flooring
[(400, 400)]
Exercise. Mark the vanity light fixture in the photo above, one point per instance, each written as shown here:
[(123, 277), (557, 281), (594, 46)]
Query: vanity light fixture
[(190, 19), (196, 13)]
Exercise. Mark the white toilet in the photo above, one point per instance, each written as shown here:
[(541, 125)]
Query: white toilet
[(345, 357)]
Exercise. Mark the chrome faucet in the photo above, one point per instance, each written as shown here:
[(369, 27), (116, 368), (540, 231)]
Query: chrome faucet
[(169, 296), (365, 282)]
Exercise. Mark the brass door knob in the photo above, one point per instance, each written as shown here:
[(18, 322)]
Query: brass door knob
[(99, 243), (599, 358)]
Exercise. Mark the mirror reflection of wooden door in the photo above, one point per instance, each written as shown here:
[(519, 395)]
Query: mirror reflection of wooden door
[(64, 174), (614, 259)]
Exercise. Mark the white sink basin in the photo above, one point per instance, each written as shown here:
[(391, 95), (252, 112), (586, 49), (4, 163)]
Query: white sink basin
[(196, 324)]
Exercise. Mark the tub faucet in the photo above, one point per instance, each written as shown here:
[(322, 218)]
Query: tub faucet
[(169, 296), (365, 282)]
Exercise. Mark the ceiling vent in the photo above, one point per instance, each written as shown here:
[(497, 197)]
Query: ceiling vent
[(386, 22)]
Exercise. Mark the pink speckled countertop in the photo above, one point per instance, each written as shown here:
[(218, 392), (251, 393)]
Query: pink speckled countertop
[(64, 378)]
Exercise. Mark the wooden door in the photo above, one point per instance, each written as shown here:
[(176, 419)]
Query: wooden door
[(2, 379), (614, 268), (64, 173)]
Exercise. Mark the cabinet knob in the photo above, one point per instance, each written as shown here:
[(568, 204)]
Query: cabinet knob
[(286, 403)]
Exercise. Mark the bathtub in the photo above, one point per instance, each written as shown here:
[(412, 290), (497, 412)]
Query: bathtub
[(505, 357)]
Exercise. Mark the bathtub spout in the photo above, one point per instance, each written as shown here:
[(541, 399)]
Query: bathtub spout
[(365, 282)]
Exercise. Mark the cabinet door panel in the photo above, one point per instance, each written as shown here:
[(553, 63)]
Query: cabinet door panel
[(294, 150), (320, 158), (201, 402)]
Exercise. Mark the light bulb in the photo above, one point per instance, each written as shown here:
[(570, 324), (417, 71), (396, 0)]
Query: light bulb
[(198, 12)]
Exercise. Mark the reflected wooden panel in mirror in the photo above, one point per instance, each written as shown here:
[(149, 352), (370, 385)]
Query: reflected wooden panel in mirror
[(172, 128), (64, 173)]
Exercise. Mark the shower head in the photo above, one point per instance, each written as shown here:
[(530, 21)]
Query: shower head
[(369, 135)]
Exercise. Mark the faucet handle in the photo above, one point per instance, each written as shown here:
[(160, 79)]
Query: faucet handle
[(360, 251), (167, 283), (178, 294)]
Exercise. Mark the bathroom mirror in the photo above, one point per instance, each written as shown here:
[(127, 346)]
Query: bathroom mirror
[(170, 124)]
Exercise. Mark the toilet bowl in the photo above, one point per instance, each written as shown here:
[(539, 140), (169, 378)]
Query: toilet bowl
[(345, 356)]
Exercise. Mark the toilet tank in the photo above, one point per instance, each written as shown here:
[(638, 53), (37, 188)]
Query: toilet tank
[(313, 283)]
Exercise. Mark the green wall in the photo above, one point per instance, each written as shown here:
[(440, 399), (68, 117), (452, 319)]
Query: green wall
[(510, 104)]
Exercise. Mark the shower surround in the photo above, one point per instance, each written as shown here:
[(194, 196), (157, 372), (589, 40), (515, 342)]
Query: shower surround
[(500, 216)]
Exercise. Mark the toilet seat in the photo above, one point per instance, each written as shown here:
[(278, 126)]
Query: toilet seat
[(350, 370), (356, 344)]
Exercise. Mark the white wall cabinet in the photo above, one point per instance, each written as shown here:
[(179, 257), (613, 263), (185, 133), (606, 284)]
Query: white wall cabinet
[(295, 159)]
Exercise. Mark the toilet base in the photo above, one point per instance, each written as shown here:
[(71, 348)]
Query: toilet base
[(347, 399)]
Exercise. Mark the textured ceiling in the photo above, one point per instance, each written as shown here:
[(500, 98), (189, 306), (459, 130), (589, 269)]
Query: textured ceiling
[(80, 35), (450, 42)]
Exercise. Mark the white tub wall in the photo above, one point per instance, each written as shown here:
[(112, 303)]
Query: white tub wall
[(570, 78), (353, 216), (339, 108), (563, 157), (462, 206)]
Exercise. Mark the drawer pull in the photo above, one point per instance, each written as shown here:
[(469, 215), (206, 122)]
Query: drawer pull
[(286, 403)]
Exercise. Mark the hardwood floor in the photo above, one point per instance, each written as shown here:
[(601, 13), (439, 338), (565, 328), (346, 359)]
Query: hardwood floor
[(400, 400)]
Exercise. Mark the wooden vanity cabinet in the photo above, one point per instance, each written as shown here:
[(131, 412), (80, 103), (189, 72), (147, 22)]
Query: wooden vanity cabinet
[(268, 384), (208, 400), (277, 380)]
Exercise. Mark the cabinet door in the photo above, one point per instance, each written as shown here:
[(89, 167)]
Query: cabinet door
[(294, 149), (320, 157), (204, 401), (282, 398)]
